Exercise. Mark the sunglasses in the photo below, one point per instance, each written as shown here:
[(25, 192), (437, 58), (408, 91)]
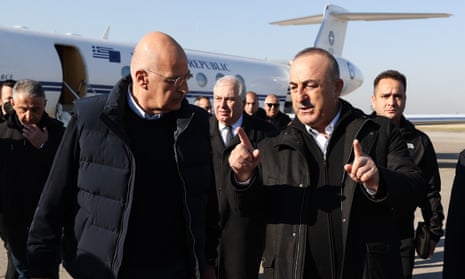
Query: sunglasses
[(270, 105)]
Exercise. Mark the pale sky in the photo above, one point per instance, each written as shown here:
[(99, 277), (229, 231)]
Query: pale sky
[(428, 51)]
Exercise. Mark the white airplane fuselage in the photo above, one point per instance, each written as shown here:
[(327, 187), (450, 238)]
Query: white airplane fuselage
[(66, 63), (71, 67)]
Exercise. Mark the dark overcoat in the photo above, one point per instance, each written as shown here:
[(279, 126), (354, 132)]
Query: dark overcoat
[(454, 246), (319, 221), (242, 238), (88, 196)]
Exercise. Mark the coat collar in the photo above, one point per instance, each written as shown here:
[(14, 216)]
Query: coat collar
[(116, 107)]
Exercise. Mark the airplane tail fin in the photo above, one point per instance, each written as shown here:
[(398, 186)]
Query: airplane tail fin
[(334, 24)]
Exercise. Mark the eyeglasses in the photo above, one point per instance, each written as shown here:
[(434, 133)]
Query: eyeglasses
[(272, 105), (174, 81)]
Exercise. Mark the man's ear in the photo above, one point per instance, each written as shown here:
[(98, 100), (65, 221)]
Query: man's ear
[(339, 85), (141, 78), (373, 99)]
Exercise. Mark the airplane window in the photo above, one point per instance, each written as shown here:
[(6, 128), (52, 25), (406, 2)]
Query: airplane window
[(125, 71), (239, 77), (219, 75), (201, 79)]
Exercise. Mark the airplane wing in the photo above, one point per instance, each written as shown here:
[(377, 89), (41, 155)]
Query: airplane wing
[(316, 19), (389, 16), (436, 119)]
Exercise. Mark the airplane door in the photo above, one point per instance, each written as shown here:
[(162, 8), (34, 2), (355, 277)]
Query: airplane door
[(74, 75)]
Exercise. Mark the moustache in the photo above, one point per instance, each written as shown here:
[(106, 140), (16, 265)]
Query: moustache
[(306, 104)]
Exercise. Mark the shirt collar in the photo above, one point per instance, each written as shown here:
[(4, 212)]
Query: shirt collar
[(328, 129), (138, 110), (237, 124)]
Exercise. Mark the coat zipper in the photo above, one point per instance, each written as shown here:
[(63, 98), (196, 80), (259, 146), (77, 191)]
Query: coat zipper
[(344, 176), (300, 228), (189, 216)]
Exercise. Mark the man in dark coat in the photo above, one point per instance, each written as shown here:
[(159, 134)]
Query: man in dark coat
[(454, 245), (132, 193), (242, 238), (273, 114), (389, 100), (328, 184), (29, 139), (6, 95)]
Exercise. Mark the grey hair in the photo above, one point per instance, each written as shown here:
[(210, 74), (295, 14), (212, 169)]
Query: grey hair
[(238, 86), (28, 87)]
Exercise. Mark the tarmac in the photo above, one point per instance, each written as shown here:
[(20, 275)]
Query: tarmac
[(448, 141)]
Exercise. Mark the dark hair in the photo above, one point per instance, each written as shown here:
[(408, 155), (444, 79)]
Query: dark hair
[(198, 98), (333, 65), (7, 83), (392, 74)]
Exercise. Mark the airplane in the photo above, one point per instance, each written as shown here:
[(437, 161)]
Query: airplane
[(71, 67)]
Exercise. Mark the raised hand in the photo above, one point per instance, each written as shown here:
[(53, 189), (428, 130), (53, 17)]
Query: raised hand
[(244, 158), (35, 135), (363, 169)]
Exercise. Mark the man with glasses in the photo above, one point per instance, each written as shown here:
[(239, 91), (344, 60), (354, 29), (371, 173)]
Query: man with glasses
[(132, 194), (273, 115)]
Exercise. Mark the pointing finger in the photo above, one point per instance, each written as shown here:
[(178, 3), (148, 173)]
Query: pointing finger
[(244, 138), (358, 152)]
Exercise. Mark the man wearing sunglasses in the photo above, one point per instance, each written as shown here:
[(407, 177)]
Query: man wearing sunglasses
[(273, 114), (132, 192)]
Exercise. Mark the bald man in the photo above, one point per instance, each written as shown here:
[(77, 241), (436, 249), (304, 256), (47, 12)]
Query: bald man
[(132, 184)]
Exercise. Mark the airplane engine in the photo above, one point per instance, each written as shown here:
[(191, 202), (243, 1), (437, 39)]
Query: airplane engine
[(350, 74)]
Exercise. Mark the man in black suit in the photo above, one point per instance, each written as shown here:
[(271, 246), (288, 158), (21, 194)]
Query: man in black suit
[(389, 100), (242, 239)]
